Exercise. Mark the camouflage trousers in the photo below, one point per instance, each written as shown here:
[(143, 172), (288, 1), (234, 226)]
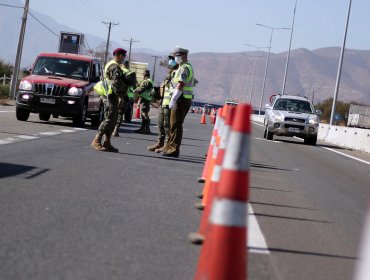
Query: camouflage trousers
[(163, 123), (144, 109), (110, 115), (122, 107)]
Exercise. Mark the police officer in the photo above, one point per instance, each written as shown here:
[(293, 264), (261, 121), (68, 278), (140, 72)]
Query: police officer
[(143, 92), (114, 87), (180, 101), (163, 121)]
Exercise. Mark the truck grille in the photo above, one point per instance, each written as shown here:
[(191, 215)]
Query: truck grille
[(49, 89), (297, 120)]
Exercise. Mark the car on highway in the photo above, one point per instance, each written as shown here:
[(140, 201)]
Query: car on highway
[(291, 116), (61, 84)]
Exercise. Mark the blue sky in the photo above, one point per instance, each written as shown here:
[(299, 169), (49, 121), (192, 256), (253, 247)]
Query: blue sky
[(216, 25)]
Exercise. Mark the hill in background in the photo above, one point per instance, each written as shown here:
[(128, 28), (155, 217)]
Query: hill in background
[(220, 75)]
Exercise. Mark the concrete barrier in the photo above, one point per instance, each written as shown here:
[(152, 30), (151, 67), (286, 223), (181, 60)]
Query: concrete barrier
[(348, 137)]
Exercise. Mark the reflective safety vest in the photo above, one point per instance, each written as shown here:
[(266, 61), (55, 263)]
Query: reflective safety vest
[(168, 90), (130, 92), (187, 91), (146, 94), (104, 87)]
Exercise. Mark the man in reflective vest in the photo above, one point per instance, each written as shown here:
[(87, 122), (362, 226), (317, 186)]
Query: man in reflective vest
[(113, 87), (180, 101), (164, 112), (124, 99), (143, 92)]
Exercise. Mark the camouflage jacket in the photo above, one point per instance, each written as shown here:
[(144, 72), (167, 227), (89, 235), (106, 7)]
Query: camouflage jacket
[(116, 75)]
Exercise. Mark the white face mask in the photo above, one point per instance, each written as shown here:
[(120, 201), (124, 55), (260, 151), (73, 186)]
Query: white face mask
[(178, 59)]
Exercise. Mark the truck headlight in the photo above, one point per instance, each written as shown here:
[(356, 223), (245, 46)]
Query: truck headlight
[(75, 91), (313, 121), (25, 85)]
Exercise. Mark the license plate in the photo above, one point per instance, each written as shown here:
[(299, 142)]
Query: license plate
[(293, 129), (47, 100)]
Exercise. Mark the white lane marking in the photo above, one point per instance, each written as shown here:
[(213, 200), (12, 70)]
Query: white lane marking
[(343, 154), (27, 137), (263, 139), (256, 241), (38, 135), (7, 111), (50, 133), (256, 123)]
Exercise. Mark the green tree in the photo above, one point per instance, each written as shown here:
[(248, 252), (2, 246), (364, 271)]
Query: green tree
[(341, 109)]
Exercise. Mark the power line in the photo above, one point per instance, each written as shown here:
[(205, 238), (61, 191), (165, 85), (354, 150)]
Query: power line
[(12, 6), (43, 24)]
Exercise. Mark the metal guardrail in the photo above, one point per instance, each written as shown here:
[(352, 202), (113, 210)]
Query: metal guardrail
[(5, 80)]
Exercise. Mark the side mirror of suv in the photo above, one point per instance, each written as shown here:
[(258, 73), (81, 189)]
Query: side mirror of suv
[(268, 107), (319, 113), (27, 71)]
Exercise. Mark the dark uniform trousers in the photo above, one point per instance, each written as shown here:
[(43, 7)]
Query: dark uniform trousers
[(110, 115), (178, 114)]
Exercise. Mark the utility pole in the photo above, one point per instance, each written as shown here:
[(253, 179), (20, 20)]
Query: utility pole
[(18, 58), (106, 48), (155, 62), (129, 52), (340, 65)]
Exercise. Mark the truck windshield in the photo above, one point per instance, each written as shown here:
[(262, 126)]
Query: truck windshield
[(69, 68)]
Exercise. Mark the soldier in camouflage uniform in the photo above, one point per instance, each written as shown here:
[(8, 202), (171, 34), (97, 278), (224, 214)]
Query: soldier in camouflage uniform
[(130, 81), (144, 93), (114, 75)]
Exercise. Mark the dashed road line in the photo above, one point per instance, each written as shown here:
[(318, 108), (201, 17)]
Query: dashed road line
[(256, 241), (24, 137)]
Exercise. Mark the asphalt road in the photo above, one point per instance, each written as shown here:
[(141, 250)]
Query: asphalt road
[(68, 212)]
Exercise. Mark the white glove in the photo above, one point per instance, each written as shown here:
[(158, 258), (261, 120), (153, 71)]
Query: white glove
[(175, 95)]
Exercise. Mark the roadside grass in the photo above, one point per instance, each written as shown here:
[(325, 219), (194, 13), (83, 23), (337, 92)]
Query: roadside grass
[(4, 95)]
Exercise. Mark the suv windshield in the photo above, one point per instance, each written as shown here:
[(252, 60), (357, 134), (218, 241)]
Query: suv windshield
[(293, 105), (75, 69)]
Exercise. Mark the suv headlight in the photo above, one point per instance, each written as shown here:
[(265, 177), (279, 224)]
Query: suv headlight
[(278, 118), (25, 85), (75, 91), (313, 120)]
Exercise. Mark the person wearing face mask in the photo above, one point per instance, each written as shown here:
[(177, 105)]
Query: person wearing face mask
[(163, 121), (180, 102)]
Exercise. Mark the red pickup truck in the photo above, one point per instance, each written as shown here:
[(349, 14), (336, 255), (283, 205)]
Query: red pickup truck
[(61, 84)]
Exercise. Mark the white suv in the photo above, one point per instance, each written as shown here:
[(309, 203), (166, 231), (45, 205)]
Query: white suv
[(291, 116)]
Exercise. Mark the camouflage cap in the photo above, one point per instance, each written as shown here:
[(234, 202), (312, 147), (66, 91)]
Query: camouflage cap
[(180, 50)]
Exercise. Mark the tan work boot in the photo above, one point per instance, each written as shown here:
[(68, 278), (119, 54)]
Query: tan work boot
[(159, 150), (155, 146), (108, 146), (96, 143)]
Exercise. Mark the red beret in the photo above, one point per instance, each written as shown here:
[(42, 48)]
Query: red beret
[(119, 51)]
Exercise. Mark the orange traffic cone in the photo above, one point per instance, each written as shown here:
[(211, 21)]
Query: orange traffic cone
[(203, 119), (363, 268), (198, 238), (202, 179), (212, 159), (224, 254), (137, 113)]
